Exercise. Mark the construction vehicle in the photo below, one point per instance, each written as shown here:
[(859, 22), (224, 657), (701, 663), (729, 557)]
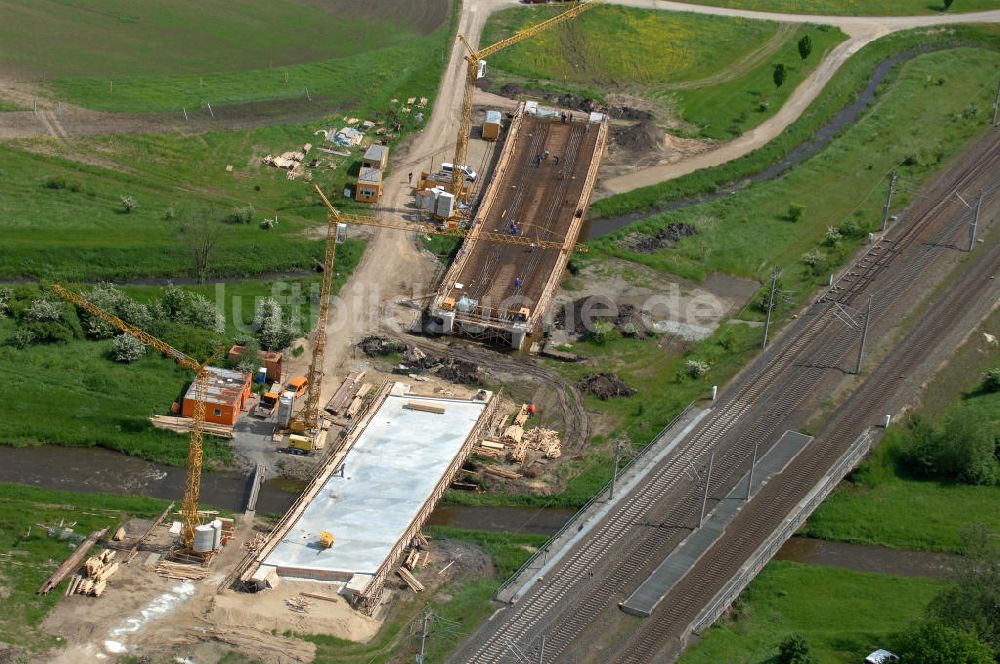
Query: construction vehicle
[(190, 517), (326, 539), (268, 402), (299, 444), (297, 386), (476, 69)]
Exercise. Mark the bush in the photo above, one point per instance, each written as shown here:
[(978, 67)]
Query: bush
[(601, 331), (54, 182), (128, 204), (110, 298), (5, 296), (795, 650), (241, 215), (44, 310), (189, 308), (127, 349), (22, 338), (249, 360), (169, 214), (990, 382), (933, 643), (697, 368), (961, 449), (268, 224), (832, 237), (795, 212)]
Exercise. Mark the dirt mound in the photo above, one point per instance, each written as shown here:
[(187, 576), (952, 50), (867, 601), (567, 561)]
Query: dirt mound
[(642, 137), (664, 238), (376, 345), (567, 100), (459, 371), (578, 316), (604, 386)]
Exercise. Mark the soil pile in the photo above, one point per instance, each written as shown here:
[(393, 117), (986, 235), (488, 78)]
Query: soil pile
[(570, 101), (604, 386), (642, 137), (456, 371), (663, 239), (376, 345), (578, 317)]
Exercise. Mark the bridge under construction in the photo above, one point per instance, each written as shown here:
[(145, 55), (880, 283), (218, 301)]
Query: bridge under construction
[(541, 189)]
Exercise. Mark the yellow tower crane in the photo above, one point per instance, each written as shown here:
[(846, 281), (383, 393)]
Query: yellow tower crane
[(192, 480), (307, 421), (475, 68)]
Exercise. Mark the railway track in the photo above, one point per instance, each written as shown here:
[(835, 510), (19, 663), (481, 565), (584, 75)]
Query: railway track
[(755, 410), (765, 513)]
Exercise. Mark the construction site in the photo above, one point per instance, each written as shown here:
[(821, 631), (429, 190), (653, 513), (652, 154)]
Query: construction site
[(372, 422)]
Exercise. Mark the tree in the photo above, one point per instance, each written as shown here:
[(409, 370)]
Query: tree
[(780, 74), (947, 4), (971, 604), (961, 449), (201, 234), (805, 47), (127, 349), (795, 650), (991, 379), (795, 212), (248, 361), (931, 642), (272, 331), (129, 203)]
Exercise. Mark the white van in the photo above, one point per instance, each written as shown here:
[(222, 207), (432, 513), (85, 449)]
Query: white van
[(470, 174)]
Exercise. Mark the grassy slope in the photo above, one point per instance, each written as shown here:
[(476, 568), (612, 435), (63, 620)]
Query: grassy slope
[(843, 615), (37, 555), (846, 84), (227, 54), (881, 505), (854, 7), (650, 54)]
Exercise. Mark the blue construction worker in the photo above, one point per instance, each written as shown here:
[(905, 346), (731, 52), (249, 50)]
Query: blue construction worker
[(517, 283)]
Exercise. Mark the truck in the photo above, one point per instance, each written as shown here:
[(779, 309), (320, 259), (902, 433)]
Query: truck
[(268, 402)]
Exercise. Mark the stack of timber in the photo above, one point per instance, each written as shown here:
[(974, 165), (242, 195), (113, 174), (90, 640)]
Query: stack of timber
[(502, 472), (359, 400), (72, 562), (491, 448), (183, 425), (97, 570), (410, 580), (424, 407), (180, 571), (342, 397), (522, 415)]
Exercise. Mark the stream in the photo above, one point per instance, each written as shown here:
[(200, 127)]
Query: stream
[(847, 116)]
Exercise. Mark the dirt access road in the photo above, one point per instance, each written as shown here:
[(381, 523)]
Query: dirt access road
[(861, 30)]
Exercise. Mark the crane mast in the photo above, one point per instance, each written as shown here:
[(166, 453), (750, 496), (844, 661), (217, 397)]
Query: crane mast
[(192, 479), (472, 60)]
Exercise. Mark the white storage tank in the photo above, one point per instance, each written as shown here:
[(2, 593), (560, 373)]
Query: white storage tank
[(217, 527), (204, 539), (445, 205), (285, 402)]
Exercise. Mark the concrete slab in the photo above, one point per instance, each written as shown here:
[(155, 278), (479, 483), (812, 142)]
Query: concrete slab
[(388, 476), (651, 592)]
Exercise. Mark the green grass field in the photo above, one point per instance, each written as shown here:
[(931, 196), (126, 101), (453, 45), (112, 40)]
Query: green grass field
[(29, 559), (916, 121), (880, 504), (107, 404), (713, 75), (854, 7), (844, 615), (845, 86), (154, 57)]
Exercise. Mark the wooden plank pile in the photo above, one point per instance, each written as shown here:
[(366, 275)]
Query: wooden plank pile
[(491, 448), (183, 425), (72, 562), (502, 472), (342, 397), (424, 407), (410, 580), (545, 441), (180, 571), (96, 572), (359, 400)]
